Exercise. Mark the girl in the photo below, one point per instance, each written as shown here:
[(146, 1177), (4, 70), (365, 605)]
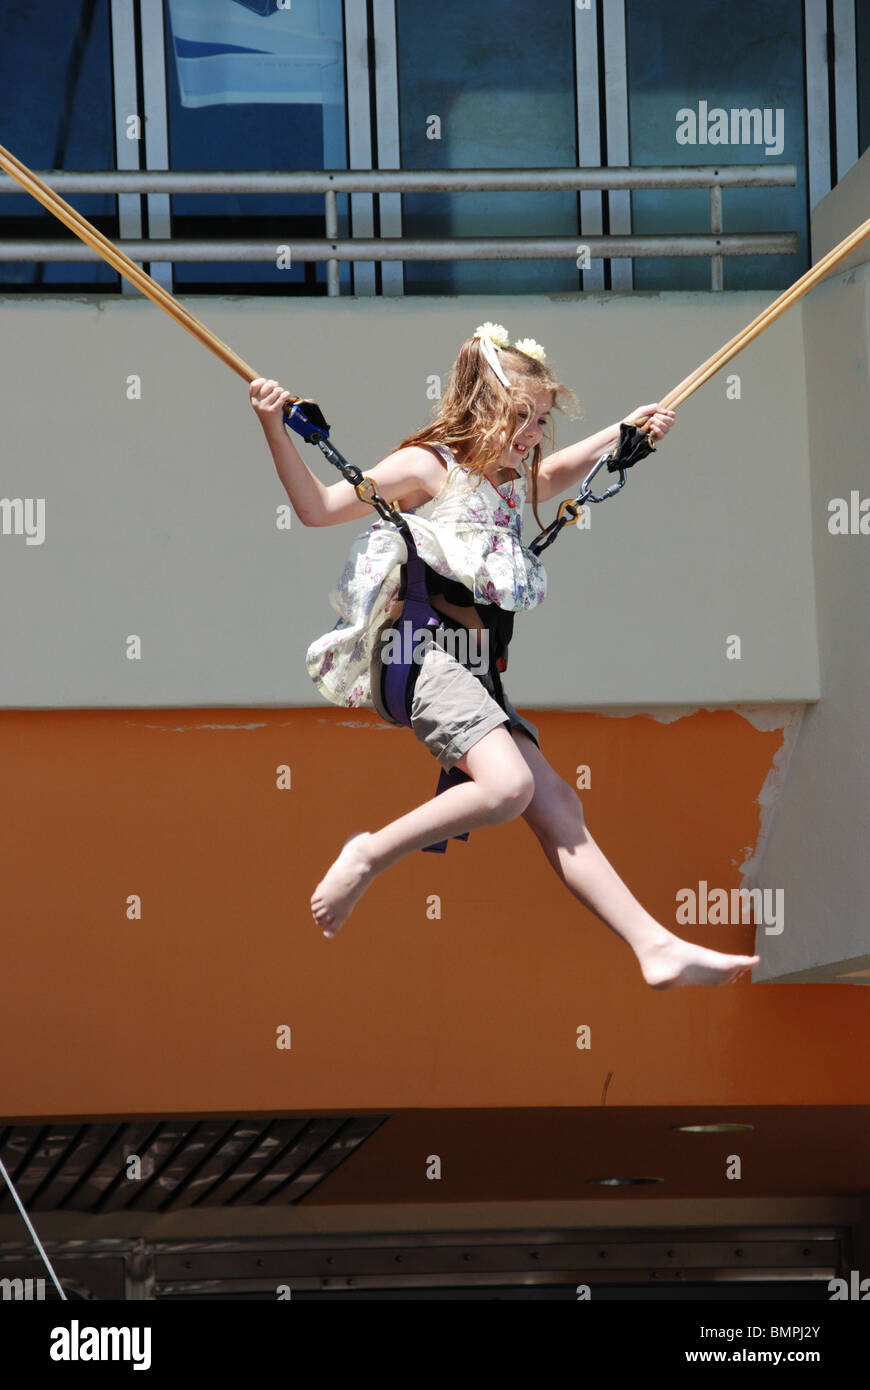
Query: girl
[(461, 482)]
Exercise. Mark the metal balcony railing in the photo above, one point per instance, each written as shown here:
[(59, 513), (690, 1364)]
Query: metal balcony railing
[(333, 249)]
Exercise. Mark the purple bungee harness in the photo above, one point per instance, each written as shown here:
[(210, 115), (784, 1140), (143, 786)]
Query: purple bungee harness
[(417, 624)]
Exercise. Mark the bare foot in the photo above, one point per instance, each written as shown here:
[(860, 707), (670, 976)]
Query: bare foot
[(343, 884), (676, 962)]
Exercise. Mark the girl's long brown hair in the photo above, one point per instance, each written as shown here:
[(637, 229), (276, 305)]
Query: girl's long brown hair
[(478, 416)]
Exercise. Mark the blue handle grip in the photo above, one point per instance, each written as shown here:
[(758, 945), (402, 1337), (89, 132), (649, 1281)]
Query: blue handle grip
[(309, 422)]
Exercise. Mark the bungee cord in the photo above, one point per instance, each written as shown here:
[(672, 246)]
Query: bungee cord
[(767, 316), (120, 261), (634, 441)]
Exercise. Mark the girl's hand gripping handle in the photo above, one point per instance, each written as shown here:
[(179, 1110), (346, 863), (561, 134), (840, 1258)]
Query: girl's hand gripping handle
[(654, 419)]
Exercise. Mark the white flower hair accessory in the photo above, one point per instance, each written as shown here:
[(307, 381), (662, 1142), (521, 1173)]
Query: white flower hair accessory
[(496, 333), (531, 349)]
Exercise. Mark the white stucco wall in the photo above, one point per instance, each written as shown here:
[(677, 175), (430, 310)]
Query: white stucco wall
[(160, 513), (817, 848)]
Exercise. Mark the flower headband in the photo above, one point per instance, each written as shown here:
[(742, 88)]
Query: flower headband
[(494, 335)]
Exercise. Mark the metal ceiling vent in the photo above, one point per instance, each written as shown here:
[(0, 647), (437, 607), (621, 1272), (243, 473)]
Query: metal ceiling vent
[(168, 1165)]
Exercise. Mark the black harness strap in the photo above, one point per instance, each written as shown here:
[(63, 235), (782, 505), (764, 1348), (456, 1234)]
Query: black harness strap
[(314, 429), (399, 679), (632, 446)]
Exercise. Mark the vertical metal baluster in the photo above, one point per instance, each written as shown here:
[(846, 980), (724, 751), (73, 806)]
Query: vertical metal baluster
[(330, 199), (715, 228)]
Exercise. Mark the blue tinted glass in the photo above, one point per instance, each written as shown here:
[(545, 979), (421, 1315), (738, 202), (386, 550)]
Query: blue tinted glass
[(862, 38), (724, 55), (56, 113), (500, 79), (252, 86)]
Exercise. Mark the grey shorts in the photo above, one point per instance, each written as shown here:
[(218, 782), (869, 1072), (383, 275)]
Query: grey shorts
[(453, 709)]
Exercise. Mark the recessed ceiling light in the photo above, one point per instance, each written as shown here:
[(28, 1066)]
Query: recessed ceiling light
[(623, 1182), (724, 1128)]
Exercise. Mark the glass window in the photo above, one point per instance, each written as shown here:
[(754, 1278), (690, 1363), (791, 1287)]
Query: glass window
[(56, 113), (487, 85), (252, 86), (686, 81)]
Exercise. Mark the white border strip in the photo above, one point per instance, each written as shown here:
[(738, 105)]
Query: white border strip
[(126, 104), (845, 85), (156, 130), (387, 109), (359, 135), (616, 108), (588, 132)]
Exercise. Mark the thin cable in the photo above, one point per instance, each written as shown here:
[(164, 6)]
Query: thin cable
[(36, 1241)]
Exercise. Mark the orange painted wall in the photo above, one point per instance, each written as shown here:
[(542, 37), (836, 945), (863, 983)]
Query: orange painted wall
[(177, 1013)]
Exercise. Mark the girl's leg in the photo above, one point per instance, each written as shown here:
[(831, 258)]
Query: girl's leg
[(501, 787), (556, 816)]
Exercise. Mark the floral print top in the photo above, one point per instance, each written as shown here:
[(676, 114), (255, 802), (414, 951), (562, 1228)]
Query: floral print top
[(466, 532)]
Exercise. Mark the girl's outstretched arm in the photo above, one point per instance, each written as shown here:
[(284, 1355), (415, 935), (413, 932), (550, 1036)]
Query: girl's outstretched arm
[(562, 470), (410, 475)]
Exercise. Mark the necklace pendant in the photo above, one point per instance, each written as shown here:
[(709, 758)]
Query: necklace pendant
[(511, 502)]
